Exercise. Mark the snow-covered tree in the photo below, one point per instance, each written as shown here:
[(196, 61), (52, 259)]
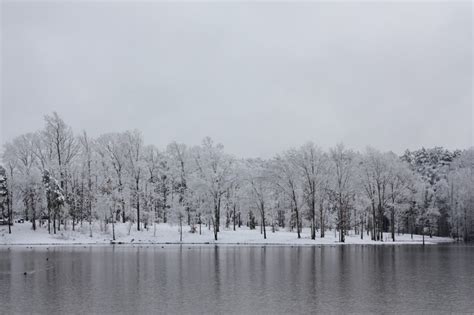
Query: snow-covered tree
[(343, 173), (312, 164), (28, 174), (4, 197), (111, 146), (398, 182), (117, 177), (133, 145), (215, 175), (54, 196), (260, 188), (288, 181)]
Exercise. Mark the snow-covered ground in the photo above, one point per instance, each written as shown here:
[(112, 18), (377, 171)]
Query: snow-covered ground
[(22, 234)]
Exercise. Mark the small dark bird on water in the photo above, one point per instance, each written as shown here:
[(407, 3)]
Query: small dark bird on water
[(24, 273)]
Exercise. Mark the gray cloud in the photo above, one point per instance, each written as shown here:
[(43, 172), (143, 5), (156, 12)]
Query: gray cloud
[(258, 77)]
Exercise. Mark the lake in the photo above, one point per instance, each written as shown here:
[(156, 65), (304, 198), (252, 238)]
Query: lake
[(237, 279)]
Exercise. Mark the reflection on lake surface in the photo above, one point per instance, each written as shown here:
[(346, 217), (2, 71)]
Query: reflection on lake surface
[(237, 279)]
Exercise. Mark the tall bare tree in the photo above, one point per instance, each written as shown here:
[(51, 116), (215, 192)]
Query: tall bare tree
[(343, 165)]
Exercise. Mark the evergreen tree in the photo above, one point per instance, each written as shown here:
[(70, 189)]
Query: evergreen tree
[(4, 197)]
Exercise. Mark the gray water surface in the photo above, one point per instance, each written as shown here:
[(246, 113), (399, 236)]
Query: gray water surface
[(237, 279)]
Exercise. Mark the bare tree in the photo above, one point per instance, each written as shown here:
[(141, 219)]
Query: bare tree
[(376, 173), (134, 155), (258, 178), (112, 145), (288, 181), (87, 154), (399, 181), (29, 178), (311, 163), (64, 148), (343, 161), (179, 158), (152, 158), (214, 176)]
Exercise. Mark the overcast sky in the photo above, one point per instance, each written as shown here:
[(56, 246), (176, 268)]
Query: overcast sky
[(258, 77)]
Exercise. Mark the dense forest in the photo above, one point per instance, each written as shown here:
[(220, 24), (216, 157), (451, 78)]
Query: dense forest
[(56, 179)]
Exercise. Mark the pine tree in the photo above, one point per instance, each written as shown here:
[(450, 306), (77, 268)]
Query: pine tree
[(4, 197)]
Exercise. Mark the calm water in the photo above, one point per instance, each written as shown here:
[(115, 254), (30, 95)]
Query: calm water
[(233, 279)]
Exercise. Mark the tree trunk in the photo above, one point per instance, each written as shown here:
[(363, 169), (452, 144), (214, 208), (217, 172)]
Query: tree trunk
[(181, 228), (297, 222), (215, 223), (392, 219), (113, 229), (9, 217), (138, 205), (122, 201), (374, 222), (215, 229), (200, 223), (380, 223), (423, 233), (49, 215), (188, 210), (341, 220), (218, 215), (54, 221), (233, 216), (321, 219), (33, 212), (313, 219), (90, 217), (262, 212), (217, 206)]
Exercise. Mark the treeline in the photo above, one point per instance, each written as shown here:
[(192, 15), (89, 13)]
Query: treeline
[(58, 180)]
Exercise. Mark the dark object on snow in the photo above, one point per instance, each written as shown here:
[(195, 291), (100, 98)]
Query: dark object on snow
[(114, 243)]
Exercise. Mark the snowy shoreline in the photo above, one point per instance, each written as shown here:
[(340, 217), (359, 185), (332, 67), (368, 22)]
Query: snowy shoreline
[(157, 244), (23, 235)]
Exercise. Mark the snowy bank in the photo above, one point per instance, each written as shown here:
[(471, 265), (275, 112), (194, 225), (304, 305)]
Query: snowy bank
[(22, 234)]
